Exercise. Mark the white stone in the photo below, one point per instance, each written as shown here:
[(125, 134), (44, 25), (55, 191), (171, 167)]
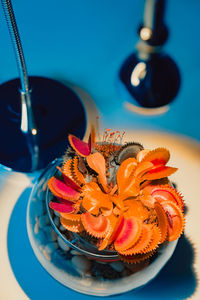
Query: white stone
[(62, 244), (40, 237), (117, 266), (56, 221), (62, 229), (74, 252), (81, 263), (45, 186), (36, 208), (50, 234), (87, 282), (43, 221), (50, 248)]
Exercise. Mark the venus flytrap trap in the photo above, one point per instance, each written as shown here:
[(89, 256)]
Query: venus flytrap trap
[(118, 196)]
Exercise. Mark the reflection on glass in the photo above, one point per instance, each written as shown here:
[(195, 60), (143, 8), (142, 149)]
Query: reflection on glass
[(138, 73), (145, 33)]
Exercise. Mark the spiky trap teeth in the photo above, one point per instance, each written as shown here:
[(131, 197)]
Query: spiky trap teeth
[(118, 195)]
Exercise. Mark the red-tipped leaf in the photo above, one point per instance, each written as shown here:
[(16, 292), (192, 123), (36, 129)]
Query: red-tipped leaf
[(69, 181), (62, 207), (61, 190), (82, 148)]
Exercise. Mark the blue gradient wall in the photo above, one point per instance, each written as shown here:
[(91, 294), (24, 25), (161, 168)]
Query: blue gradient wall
[(86, 41)]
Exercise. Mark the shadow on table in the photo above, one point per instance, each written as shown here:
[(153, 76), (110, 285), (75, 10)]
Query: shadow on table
[(177, 280)]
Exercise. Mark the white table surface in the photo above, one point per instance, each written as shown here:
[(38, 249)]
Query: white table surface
[(184, 155)]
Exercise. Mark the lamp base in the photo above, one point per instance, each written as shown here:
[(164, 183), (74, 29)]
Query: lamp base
[(58, 111), (150, 83)]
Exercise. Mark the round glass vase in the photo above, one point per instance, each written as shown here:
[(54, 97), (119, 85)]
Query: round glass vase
[(73, 260)]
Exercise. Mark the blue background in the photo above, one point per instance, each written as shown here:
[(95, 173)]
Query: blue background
[(85, 42)]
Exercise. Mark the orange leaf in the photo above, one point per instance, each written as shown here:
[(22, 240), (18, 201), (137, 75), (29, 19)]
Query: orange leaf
[(136, 209), (158, 156), (142, 243), (136, 259), (159, 172), (142, 168), (72, 225), (96, 161), (142, 154), (155, 241), (115, 226), (162, 220), (67, 168), (124, 172), (129, 234), (166, 193), (95, 226), (94, 198), (175, 219), (77, 175)]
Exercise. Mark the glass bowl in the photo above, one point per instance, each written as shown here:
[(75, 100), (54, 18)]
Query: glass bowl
[(75, 262)]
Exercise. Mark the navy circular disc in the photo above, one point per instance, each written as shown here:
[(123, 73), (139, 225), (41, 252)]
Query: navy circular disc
[(58, 111)]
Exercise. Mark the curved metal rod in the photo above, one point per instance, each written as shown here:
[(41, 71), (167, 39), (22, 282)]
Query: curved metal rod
[(28, 126), (16, 42)]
